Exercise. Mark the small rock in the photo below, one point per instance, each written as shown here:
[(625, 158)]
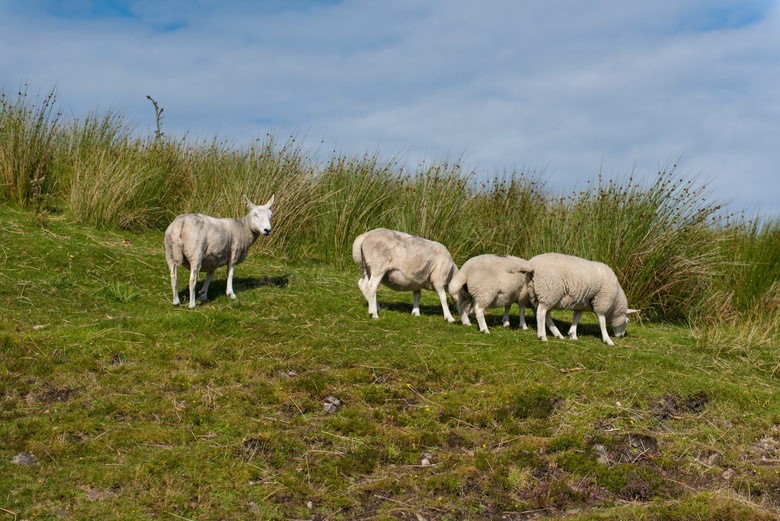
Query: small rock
[(25, 460), (288, 375), (332, 404), (711, 459), (601, 454), (728, 474), (727, 424), (310, 505), (253, 507), (97, 495), (426, 459)]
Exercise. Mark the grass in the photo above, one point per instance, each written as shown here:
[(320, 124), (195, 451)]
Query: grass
[(137, 409)]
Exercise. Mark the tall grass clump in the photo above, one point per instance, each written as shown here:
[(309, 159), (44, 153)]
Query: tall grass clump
[(432, 202), (504, 212), (744, 306), (657, 237), (354, 195), (269, 166), (117, 188), (28, 141)]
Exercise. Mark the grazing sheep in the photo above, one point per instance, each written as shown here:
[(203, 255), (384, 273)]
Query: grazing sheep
[(402, 262), (557, 281), (484, 282), (200, 242)]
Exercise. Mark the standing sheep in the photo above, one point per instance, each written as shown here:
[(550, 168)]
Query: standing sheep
[(402, 262), (200, 242), (557, 281), (484, 282)]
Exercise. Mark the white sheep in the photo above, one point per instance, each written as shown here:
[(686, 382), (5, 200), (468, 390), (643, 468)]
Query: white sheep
[(484, 282), (558, 281), (200, 242), (402, 262)]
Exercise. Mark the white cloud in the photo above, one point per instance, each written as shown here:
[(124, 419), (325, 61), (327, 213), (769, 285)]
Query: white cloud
[(563, 85)]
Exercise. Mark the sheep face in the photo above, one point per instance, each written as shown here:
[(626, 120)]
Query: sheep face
[(619, 325), (260, 216)]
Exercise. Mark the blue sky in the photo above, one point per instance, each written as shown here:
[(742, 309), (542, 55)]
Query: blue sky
[(560, 86)]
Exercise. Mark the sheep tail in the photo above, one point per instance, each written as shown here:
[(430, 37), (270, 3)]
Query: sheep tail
[(456, 283), (520, 266), (357, 249)]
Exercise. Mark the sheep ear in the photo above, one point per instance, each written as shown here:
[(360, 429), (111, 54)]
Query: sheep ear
[(270, 201), (249, 203), (629, 311)]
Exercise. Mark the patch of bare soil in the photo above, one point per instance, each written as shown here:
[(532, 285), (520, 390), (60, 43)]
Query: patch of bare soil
[(672, 405)]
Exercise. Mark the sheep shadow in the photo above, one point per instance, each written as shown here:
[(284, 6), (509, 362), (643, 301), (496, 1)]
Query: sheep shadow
[(218, 287), (406, 308)]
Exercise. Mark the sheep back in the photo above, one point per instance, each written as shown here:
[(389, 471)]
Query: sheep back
[(410, 263), (193, 238), (488, 281)]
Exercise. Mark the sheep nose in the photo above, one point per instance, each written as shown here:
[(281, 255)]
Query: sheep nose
[(266, 231)]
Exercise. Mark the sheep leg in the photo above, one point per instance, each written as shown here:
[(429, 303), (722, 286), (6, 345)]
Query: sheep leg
[(506, 315), (541, 314), (522, 324), (553, 327), (603, 326), (543, 317), (444, 305), (203, 294), (463, 309), (479, 311), (193, 281), (369, 285), (416, 304), (574, 321), (174, 279), (229, 290)]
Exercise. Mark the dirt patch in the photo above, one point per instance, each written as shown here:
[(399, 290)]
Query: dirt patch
[(49, 394), (672, 405), (254, 446)]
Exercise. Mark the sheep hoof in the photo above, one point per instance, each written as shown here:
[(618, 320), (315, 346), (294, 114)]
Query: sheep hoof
[(374, 315), (542, 338), (192, 305), (415, 312), (572, 337), (484, 331), (232, 295), (449, 319), (505, 324)]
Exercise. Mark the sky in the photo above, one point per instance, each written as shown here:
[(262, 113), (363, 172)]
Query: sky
[(565, 88)]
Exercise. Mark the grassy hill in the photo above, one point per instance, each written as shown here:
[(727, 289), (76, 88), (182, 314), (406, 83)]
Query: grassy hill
[(130, 408)]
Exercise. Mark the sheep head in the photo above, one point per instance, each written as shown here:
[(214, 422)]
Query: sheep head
[(260, 216)]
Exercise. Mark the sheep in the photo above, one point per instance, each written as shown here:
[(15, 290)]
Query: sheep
[(558, 281), (484, 282), (402, 262), (201, 242)]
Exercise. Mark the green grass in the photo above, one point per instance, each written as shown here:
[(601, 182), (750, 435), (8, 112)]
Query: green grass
[(136, 409)]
